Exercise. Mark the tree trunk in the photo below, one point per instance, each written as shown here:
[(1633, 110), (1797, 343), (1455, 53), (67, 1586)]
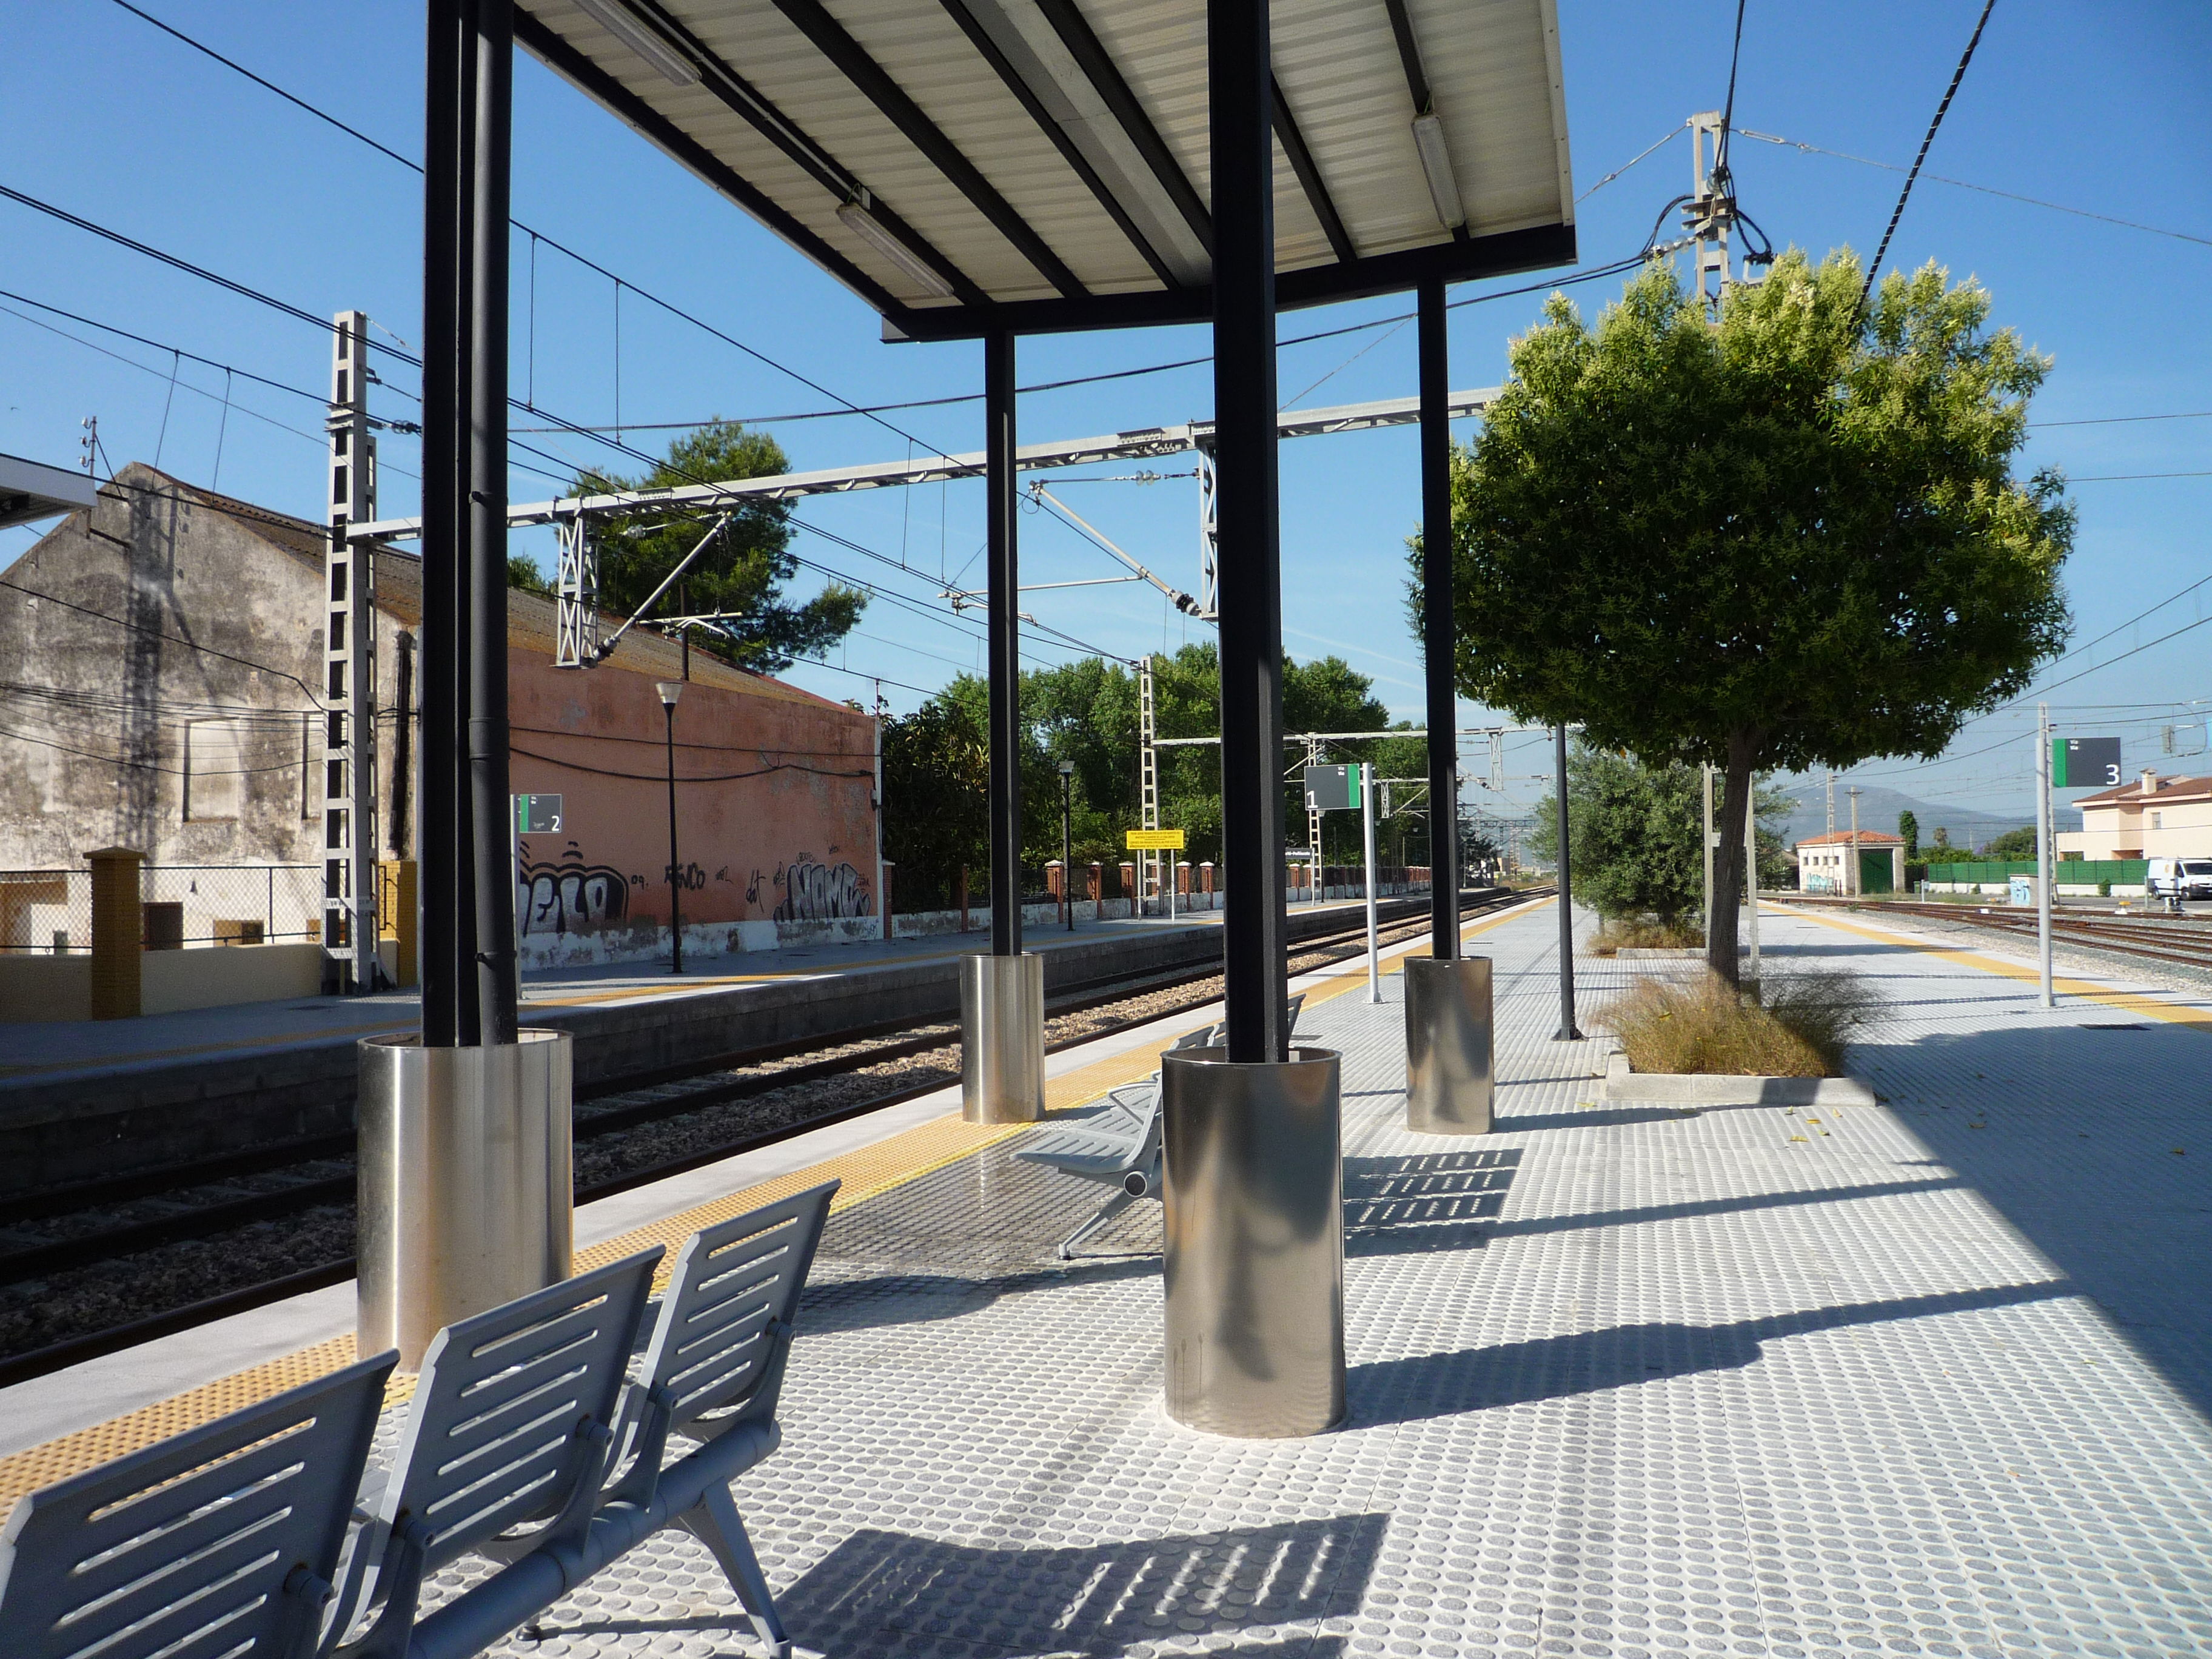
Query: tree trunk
[(1728, 857)]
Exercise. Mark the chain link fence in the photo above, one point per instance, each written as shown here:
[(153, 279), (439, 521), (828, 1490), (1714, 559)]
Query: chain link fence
[(182, 906)]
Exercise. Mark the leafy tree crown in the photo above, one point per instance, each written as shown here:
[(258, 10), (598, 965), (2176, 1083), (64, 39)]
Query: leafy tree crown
[(1794, 535)]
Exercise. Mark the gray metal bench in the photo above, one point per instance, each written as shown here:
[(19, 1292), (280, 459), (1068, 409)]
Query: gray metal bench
[(512, 1421), (1119, 1145), (712, 1373), (223, 1541)]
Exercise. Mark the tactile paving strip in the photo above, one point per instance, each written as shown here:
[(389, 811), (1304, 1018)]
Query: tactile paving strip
[(1625, 1380)]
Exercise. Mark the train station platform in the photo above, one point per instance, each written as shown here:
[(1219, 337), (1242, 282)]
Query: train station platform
[(1925, 1377)]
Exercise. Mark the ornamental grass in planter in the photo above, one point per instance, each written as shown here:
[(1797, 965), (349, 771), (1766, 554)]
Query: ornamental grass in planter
[(1797, 1026), (1645, 933)]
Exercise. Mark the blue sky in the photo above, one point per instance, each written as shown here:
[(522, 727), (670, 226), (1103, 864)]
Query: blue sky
[(2103, 109)]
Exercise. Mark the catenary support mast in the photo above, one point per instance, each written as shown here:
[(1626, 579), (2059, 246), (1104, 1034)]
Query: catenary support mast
[(350, 672)]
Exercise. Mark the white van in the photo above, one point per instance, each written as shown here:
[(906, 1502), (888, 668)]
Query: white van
[(2180, 878)]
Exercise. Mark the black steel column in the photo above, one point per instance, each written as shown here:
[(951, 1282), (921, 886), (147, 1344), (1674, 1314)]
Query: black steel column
[(1005, 605), (1568, 1031), (468, 900), (487, 505), (1243, 151), (1439, 631), (449, 941)]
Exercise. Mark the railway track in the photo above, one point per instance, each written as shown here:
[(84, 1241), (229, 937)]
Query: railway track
[(51, 1240), (2183, 940)]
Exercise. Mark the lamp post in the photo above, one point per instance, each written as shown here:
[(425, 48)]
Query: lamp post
[(1067, 842), (670, 691)]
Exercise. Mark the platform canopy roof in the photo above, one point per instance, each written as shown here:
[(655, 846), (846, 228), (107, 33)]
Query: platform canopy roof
[(1041, 165), (31, 491)]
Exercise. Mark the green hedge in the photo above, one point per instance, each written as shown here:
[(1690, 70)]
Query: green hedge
[(2066, 872)]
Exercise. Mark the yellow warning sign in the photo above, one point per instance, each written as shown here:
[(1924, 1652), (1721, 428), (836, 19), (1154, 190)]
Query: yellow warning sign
[(1155, 841)]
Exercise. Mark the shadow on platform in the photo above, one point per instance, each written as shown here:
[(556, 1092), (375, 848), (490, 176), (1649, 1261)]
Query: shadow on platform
[(1556, 1367), (2091, 1144), (1100, 1599)]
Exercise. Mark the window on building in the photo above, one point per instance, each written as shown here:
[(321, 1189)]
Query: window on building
[(214, 769), (2158, 820)]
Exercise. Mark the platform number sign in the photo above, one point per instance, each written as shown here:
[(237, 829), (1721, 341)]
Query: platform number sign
[(537, 815), (1331, 788), (2085, 763)]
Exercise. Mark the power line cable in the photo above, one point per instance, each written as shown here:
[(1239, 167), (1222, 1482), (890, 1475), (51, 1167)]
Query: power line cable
[(1986, 190), (1904, 195), (1671, 134), (1727, 110), (174, 639), (558, 246)]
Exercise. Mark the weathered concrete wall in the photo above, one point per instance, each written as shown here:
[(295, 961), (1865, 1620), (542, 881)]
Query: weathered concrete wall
[(157, 674), (36, 988)]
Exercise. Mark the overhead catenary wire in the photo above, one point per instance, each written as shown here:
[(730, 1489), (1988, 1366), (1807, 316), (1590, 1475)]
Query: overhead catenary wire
[(1986, 190), (1905, 194)]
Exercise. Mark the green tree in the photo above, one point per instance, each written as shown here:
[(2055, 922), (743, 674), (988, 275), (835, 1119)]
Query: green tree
[(2012, 844), (1791, 541), (522, 572), (1634, 831), (1908, 831), (937, 768), (742, 572)]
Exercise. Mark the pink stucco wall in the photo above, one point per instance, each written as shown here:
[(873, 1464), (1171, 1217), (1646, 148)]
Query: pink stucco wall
[(775, 812)]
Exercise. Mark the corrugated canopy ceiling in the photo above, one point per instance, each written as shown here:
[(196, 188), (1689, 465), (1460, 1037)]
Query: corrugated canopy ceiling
[(964, 165)]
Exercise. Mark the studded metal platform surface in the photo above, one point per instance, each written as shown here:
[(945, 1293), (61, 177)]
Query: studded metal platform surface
[(1928, 1378)]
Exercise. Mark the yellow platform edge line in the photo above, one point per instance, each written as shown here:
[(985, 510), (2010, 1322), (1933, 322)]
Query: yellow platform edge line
[(865, 1173), (2133, 1002)]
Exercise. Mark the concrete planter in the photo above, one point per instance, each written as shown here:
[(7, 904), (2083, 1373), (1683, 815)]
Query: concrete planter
[(1679, 1089)]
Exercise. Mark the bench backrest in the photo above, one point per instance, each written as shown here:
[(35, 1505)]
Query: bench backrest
[(218, 1543), (514, 1407), (726, 1318)]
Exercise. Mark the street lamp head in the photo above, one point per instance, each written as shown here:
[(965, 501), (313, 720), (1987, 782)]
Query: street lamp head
[(670, 690), (1067, 769)]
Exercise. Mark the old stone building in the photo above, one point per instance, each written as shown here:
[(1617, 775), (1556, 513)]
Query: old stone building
[(158, 656)]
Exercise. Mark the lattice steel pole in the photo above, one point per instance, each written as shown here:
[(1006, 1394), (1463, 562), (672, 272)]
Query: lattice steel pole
[(348, 688)]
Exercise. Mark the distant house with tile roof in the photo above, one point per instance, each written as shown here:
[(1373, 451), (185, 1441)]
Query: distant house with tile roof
[(2153, 818)]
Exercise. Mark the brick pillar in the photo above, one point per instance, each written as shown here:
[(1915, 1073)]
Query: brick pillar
[(1129, 882), (118, 932), (397, 917), (1097, 880)]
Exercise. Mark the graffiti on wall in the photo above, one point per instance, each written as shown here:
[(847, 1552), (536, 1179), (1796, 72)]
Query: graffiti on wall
[(813, 891), (571, 897)]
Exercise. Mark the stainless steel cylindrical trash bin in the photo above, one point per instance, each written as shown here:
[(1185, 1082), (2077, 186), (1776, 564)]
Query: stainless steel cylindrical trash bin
[(1002, 1038), (1254, 1270), (1450, 1081), (466, 1183)]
